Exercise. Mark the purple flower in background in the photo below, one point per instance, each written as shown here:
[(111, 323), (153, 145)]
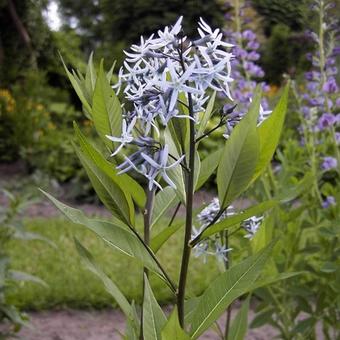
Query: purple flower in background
[(329, 201), (326, 120), (330, 86), (329, 163), (249, 35), (337, 138), (245, 71)]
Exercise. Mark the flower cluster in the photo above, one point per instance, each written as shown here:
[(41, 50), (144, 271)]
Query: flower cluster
[(161, 75), (215, 246), (320, 104), (322, 90), (245, 69)]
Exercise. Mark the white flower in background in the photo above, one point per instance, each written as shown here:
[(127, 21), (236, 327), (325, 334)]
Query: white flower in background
[(213, 245), (251, 226)]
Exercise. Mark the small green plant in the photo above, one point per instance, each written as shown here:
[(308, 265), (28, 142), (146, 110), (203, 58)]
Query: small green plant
[(169, 84), (306, 183), (11, 227)]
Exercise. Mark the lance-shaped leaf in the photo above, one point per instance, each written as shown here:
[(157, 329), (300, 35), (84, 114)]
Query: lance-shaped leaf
[(179, 127), (239, 157), (197, 168), (206, 115), (238, 329), (118, 236), (110, 286), (106, 109), (113, 197), (90, 77), (153, 316), (164, 200), (176, 173), (159, 239), (273, 279), (173, 330), (124, 181), (79, 87), (236, 219), (270, 132), (208, 166), (228, 286), (16, 275)]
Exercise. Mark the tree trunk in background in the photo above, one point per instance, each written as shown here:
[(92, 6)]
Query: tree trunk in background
[(22, 31)]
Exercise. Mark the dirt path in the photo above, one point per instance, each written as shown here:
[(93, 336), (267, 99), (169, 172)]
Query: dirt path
[(98, 325)]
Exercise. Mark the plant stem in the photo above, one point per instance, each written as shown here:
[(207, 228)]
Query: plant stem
[(147, 219), (210, 131), (197, 239), (147, 223), (227, 265), (188, 222), (167, 278), (174, 214)]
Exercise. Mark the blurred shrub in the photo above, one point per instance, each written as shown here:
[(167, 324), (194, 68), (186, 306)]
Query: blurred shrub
[(8, 147), (284, 52), (289, 12), (284, 23), (36, 126)]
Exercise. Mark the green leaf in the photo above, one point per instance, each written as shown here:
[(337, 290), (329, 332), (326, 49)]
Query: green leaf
[(77, 87), (270, 280), (158, 240), (306, 325), (164, 200), (292, 192), (197, 168), (110, 286), (239, 157), (124, 181), (90, 77), (16, 275), (262, 318), (118, 236), (153, 317), (173, 330), (109, 74), (228, 286), (176, 173), (208, 166), (236, 219), (29, 236), (106, 109), (238, 329), (179, 127), (112, 196), (206, 115), (189, 309), (329, 267), (270, 132)]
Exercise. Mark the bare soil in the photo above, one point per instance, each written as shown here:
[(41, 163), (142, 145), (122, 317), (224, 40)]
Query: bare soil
[(99, 325)]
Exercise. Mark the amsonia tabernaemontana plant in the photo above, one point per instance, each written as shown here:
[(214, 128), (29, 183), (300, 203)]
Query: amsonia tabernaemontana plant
[(169, 84)]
